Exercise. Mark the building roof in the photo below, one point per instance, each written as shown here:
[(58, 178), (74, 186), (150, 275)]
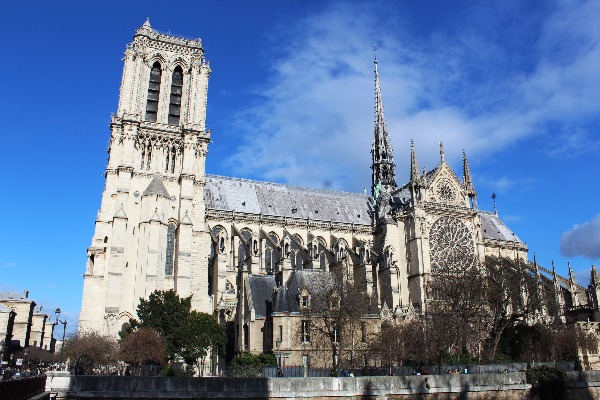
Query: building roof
[(255, 197), (5, 309), (261, 292), (309, 279), (13, 296), (275, 199), (494, 229)]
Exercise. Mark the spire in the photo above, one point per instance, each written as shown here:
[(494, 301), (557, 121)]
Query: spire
[(383, 160), (415, 178), (467, 180), (441, 152), (595, 281), (571, 273), (146, 28)]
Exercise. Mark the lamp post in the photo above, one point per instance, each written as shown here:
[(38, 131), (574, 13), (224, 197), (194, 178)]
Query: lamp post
[(278, 344), (64, 324)]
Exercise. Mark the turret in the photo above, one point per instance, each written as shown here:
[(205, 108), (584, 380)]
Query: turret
[(416, 180), (468, 182)]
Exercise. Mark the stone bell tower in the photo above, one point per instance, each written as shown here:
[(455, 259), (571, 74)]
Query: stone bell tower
[(150, 229)]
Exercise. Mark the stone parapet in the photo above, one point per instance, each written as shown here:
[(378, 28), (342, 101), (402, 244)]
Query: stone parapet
[(499, 386)]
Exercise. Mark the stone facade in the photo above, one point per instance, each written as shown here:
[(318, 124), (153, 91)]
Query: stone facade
[(239, 246), (39, 323), (22, 325), (7, 321), (23, 308)]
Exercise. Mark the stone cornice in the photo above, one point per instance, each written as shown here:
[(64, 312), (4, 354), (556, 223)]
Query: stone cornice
[(448, 209), (196, 130), (168, 40), (92, 276), (155, 127), (505, 244), (97, 250), (188, 177), (164, 175)]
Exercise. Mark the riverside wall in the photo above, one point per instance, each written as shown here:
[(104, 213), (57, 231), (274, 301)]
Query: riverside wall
[(503, 386)]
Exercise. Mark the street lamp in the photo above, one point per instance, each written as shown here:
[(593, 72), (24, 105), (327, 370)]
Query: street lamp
[(278, 344), (64, 324)]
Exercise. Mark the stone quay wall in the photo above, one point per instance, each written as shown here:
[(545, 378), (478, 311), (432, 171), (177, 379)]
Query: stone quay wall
[(502, 386), (476, 386)]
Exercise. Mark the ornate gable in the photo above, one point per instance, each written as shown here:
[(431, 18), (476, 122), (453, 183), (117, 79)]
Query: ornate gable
[(445, 188)]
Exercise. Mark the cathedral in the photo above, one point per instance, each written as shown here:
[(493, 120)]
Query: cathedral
[(247, 250)]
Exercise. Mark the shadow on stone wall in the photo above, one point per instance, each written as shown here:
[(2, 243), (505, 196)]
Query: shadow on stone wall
[(367, 391)]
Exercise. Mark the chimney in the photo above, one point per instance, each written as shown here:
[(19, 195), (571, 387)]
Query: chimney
[(26, 293)]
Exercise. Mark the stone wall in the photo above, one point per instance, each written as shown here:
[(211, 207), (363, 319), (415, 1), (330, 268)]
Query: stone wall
[(508, 386), (484, 386)]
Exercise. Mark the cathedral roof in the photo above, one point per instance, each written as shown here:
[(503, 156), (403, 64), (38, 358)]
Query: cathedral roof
[(494, 229), (261, 291), (254, 197)]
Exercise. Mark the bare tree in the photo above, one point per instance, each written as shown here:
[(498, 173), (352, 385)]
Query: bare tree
[(513, 296), (91, 349), (335, 321), (457, 315), (142, 346)]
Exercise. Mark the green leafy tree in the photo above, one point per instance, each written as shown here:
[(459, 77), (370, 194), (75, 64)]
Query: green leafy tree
[(188, 334), (198, 336), (168, 314)]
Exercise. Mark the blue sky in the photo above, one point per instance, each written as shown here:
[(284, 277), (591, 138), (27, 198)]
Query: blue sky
[(514, 83)]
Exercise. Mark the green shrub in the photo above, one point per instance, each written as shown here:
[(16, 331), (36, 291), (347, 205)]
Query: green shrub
[(168, 371), (548, 382), (251, 365)]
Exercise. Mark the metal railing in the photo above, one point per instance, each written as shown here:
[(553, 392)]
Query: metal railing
[(21, 389)]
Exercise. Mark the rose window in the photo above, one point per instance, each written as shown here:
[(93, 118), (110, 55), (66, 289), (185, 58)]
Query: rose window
[(445, 191), (450, 245)]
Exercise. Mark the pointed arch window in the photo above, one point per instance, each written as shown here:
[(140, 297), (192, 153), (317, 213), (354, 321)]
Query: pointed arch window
[(170, 159), (153, 92), (175, 100), (170, 253)]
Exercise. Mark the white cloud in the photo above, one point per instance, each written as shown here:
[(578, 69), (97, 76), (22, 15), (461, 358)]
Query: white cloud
[(582, 276), (312, 122), (582, 240), (9, 264)]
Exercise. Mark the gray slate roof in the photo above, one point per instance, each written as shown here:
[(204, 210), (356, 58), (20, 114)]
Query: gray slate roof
[(13, 296), (275, 199), (5, 309), (261, 291), (287, 296), (254, 197), (495, 229)]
